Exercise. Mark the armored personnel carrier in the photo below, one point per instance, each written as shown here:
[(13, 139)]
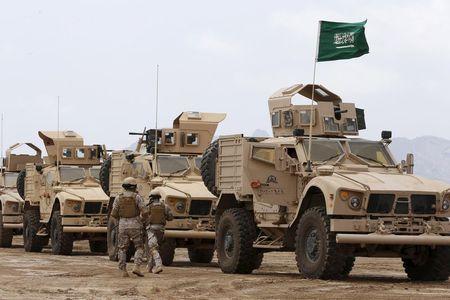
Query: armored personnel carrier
[(168, 161), (348, 198), (63, 198), (11, 204)]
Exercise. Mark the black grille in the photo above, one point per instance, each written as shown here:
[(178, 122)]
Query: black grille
[(92, 207), (402, 206), (423, 204), (380, 203), (200, 207)]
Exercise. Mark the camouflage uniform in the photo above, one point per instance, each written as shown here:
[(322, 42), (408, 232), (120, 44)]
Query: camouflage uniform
[(128, 207), (159, 213)]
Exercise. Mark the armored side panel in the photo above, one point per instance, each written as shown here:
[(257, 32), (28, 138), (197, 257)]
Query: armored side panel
[(17, 162), (32, 185), (116, 176)]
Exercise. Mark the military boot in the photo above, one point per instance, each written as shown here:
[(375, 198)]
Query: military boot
[(137, 271), (157, 270), (125, 273)]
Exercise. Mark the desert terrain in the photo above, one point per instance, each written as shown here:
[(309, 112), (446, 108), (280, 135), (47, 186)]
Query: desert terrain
[(87, 276)]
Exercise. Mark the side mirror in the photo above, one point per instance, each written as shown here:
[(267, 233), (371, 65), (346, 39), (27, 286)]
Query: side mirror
[(408, 164), (386, 135)]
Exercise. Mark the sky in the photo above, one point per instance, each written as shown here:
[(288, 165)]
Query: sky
[(100, 58)]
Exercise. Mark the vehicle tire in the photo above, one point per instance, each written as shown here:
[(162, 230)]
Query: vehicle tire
[(31, 224), (434, 265), (98, 246), (208, 167), (20, 183), (62, 242), (204, 256), (316, 251), (236, 233), (112, 241), (105, 170), (167, 251), (6, 234)]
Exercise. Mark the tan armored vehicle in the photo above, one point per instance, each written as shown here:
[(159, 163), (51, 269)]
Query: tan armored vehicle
[(11, 204), (63, 198), (175, 174), (355, 200)]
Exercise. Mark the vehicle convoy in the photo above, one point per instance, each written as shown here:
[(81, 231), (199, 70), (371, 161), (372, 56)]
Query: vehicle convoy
[(63, 198), (170, 167), (352, 200), (11, 204)]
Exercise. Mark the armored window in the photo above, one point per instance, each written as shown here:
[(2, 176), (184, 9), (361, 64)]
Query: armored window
[(10, 179), (80, 152), (94, 153), (288, 118), (264, 154), (95, 172), (305, 117), (49, 178), (350, 125), (66, 153), (198, 162), (276, 116), (330, 125), (372, 152), (192, 139), (324, 150), (173, 165), (169, 138), (69, 174)]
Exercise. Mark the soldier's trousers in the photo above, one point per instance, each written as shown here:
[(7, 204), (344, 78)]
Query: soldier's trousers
[(125, 236), (153, 238)]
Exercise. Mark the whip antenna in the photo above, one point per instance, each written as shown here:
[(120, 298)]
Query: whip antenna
[(156, 110), (1, 143), (57, 144)]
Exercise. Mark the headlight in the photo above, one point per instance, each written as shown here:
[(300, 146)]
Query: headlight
[(445, 204), (180, 206), (354, 199), (74, 205)]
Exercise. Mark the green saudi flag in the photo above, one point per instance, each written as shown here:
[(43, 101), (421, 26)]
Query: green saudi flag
[(341, 41)]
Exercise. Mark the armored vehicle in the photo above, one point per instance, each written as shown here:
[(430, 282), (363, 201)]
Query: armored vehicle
[(11, 204), (171, 167), (348, 198), (63, 198)]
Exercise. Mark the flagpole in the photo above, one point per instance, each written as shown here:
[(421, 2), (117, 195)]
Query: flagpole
[(309, 163)]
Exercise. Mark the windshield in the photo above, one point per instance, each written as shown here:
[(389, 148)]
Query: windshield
[(72, 174), (198, 162), (324, 150), (95, 172), (11, 179), (172, 164), (373, 152)]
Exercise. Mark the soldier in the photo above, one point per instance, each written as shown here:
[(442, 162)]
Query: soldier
[(159, 213), (128, 207)]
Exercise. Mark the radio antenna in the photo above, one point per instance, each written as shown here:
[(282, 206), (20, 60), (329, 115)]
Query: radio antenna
[(1, 144), (57, 143), (156, 110)]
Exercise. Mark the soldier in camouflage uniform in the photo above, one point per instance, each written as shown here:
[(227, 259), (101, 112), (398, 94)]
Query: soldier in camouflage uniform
[(158, 214), (128, 207)]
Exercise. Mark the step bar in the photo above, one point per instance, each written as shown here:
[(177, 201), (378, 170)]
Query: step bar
[(393, 239)]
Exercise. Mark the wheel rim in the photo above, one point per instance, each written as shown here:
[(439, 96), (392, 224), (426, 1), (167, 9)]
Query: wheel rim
[(228, 243), (312, 245)]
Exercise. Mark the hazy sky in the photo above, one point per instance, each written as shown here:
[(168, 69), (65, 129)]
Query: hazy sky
[(100, 57)]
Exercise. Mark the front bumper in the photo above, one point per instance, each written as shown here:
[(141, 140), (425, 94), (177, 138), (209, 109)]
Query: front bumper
[(427, 239), (13, 221), (83, 224)]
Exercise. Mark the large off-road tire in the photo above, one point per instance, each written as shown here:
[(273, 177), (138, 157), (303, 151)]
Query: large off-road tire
[(112, 241), (98, 246), (6, 234), (62, 242), (204, 256), (105, 171), (236, 233), (316, 251), (31, 224), (20, 183), (433, 266), (208, 167), (167, 251)]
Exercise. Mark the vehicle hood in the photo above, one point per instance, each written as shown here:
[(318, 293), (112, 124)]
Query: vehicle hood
[(85, 193), (393, 182), (180, 189), (10, 195)]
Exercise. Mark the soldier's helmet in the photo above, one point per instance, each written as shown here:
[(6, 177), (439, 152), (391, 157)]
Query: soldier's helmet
[(155, 196), (129, 183)]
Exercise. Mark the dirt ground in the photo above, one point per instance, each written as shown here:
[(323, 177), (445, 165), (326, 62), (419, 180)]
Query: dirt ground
[(86, 276)]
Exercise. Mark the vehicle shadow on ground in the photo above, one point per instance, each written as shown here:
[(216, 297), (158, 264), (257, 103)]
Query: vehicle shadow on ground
[(187, 264)]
